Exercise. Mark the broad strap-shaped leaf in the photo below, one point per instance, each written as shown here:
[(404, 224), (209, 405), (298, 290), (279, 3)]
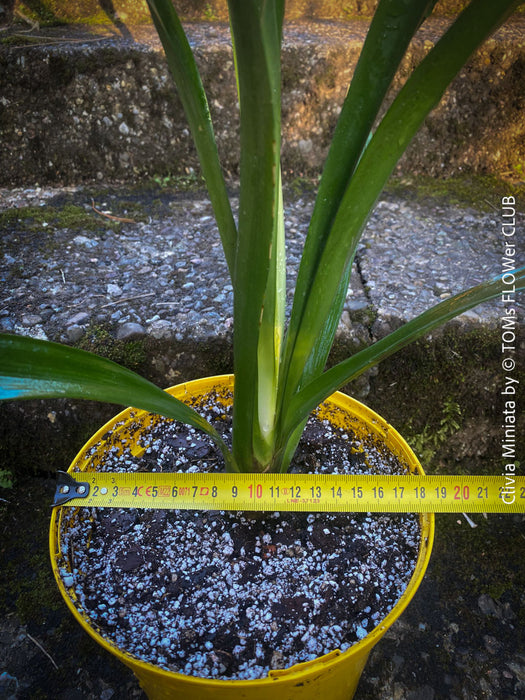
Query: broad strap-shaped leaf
[(421, 92), (333, 379), (182, 65), (391, 30), (257, 29), (38, 369), (270, 341)]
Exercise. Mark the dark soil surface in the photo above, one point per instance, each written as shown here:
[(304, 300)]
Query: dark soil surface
[(234, 595)]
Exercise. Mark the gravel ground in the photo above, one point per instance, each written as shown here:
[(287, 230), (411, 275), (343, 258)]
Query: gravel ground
[(163, 274)]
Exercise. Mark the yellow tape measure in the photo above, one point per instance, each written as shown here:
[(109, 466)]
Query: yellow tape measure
[(303, 492)]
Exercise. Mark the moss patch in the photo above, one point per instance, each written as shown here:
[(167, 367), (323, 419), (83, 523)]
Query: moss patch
[(129, 353), (76, 212), (427, 442), (51, 218), (480, 192), (190, 182)]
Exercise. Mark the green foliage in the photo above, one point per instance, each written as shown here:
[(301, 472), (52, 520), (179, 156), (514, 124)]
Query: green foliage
[(426, 443), (480, 192), (6, 479), (49, 219), (98, 339), (519, 172), (184, 183), (280, 374), (36, 368), (209, 13)]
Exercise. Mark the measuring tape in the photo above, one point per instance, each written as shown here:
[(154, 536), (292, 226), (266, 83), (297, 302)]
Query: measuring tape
[(293, 492)]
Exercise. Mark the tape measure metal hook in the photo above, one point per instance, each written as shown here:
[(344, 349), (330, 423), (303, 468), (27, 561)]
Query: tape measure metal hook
[(68, 488)]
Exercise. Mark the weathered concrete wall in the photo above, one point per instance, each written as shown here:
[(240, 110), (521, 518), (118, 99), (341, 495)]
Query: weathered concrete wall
[(82, 105), (136, 11)]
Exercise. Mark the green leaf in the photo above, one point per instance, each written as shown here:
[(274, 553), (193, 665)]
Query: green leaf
[(392, 27), (257, 29), (182, 65), (37, 369), (333, 379), (421, 92), (270, 340)]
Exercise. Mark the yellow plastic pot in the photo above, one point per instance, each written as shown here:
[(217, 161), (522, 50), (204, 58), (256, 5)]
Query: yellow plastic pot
[(333, 675)]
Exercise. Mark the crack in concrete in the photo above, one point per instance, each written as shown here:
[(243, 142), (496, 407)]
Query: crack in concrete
[(366, 291)]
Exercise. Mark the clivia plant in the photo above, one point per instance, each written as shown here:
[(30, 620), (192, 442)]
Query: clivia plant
[(279, 363)]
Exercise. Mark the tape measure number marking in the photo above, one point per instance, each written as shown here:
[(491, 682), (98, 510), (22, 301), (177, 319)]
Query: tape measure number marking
[(303, 492)]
